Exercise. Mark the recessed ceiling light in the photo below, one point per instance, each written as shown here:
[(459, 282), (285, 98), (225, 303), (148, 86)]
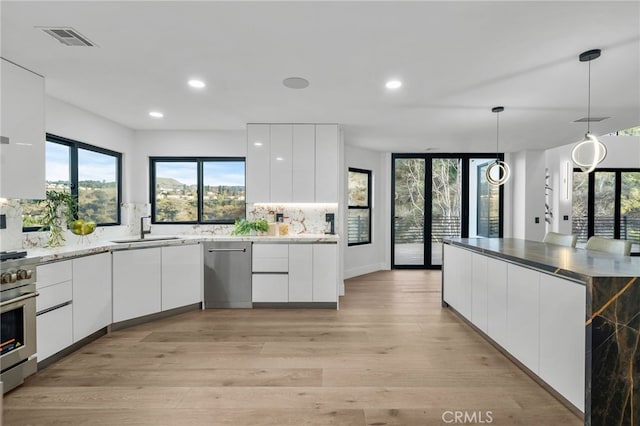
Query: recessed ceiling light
[(295, 83), (156, 114), (279, 158), (197, 84), (393, 84), (257, 143)]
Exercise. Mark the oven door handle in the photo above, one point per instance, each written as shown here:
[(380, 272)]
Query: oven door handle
[(19, 299)]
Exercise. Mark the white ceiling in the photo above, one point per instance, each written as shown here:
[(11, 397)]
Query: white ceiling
[(456, 59)]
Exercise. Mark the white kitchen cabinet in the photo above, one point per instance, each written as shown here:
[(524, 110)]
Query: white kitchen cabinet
[(270, 258), (562, 337), (523, 323), (270, 288), (325, 273), (54, 331), (457, 279), (303, 173), (497, 300), (327, 163), (181, 276), (479, 291), (300, 272), (281, 184), (92, 303), (54, 316), (258, 164), (22, 159), (136, 283)]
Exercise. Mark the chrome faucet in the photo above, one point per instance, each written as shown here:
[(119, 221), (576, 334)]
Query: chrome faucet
[(142, 231)]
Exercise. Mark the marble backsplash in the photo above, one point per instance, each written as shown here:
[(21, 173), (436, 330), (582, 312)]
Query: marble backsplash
[(302, 219)]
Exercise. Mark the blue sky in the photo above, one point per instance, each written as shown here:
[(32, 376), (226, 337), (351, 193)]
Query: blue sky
[(229, 173), (91, 165)]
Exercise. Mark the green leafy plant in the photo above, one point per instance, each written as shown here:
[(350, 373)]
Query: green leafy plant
[(244, 226), (59, 209)]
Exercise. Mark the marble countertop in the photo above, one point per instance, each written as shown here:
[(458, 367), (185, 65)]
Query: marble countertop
[(569, 262), (43, 255)]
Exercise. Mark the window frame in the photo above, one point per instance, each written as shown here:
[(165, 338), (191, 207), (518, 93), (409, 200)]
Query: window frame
[(367, 207), (199, 162), (617, 199), (74, 145)]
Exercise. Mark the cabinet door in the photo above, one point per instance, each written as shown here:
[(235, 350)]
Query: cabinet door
[(270, 258), (522, 315), (22, 160), (325, 273), (479, 303), (562, 336), (327, 163), (257, 163), (300, 272), (457, 279), (181, 276), (304, 143), (54, 331), (270, 288), (497, 301), (92, 304), (136, 283), (281, 163)]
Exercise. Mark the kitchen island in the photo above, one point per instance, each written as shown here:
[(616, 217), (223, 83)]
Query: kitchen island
[(568, 316)]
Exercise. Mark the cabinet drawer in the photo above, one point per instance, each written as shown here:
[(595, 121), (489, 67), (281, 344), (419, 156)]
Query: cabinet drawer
[(54, 331), (53, 273), (54, 295), (270, 258), (270, 288)]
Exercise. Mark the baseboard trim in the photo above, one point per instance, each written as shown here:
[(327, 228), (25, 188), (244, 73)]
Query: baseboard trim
[(296, 305), (362, 270), (152, 317)]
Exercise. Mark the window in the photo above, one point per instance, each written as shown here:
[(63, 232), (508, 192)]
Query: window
[(90, 173), (197, 190), (359, 210), (606, 203)]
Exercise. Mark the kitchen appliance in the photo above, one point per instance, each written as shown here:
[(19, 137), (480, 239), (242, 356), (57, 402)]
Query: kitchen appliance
[(227, 275), (18, 357), (330, 220)]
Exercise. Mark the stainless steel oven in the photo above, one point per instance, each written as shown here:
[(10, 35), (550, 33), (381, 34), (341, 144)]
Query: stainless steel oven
[(18, 357)]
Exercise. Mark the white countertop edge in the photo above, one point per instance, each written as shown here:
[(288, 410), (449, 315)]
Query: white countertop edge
[(44, 255)]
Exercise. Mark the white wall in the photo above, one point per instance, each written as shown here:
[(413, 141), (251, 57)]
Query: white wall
[(372, 257), (222, 143), (527, 195)]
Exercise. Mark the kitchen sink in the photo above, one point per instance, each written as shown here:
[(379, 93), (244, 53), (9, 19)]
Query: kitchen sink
[(142, 240)]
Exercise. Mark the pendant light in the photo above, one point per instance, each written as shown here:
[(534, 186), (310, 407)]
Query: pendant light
[(498, 172), (590, 152)]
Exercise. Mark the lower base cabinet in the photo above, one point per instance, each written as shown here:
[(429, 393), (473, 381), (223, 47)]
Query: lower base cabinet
[(136, 283), (54, 331), (270, 288), (181, 276), (92, 305)]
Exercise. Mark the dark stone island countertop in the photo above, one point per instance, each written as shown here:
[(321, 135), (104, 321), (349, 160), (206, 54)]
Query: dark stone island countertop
[(575, 263)]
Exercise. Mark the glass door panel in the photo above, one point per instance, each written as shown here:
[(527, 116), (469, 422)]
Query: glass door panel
[(408, 214), (580, 208), (484, 199), (446, 200), (630, 209), (604, 204)]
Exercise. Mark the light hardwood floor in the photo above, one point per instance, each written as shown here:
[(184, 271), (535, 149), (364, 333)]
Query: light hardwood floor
[(390, 356)]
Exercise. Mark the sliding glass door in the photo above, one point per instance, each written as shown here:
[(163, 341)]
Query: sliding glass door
[(437, 197)]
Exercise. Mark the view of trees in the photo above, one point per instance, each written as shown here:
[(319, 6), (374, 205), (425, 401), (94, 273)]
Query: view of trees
[(178, 202)]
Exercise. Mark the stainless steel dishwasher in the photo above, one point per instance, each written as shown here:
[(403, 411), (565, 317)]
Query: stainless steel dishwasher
[(227, 275)]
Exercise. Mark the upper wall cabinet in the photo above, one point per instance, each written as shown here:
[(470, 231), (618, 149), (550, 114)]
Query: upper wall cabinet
[(292, 163), (22, 158)]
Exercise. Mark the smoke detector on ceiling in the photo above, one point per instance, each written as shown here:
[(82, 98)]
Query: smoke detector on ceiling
[(68, 36)]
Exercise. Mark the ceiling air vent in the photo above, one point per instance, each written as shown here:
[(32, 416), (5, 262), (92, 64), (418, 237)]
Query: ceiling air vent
[(68, 36), (590, 119)]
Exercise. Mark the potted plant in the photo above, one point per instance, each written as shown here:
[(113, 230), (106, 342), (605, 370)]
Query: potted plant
[(59, 209), (244, 226)]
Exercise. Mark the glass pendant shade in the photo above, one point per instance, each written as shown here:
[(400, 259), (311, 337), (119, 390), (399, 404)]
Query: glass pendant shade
[(498, 172)]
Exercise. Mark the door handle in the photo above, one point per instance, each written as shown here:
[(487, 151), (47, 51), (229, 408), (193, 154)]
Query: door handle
[(243, 250), (19, 299)]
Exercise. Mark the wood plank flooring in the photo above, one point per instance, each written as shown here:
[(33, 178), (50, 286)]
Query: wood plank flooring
[(390, 356)]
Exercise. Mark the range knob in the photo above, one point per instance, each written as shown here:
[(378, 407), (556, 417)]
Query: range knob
[(23, 274), (8, 278)]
